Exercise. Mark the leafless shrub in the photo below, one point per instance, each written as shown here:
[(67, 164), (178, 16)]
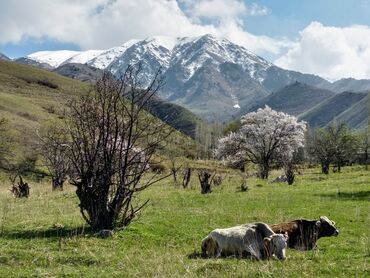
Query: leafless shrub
[(205, 179), (19, 189), (186, 177)]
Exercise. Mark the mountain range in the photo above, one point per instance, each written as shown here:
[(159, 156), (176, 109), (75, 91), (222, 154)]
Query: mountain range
[(318, 106), (213, 77)]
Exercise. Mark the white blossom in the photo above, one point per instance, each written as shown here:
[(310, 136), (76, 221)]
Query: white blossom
[(266, 136)]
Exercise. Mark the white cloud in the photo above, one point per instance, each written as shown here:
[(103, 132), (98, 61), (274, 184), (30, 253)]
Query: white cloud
[(99, 24), (215, 8), (332, 52), (256, 9)]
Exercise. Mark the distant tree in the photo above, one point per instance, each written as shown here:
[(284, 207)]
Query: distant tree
[(265, 137), (364, 147), (322, 148), (54, 147), (345, 143), (112, 142), (206, 137), (332, 144)]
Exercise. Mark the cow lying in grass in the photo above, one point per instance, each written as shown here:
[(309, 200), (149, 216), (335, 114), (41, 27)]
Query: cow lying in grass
[(303, 234), (255, 240)]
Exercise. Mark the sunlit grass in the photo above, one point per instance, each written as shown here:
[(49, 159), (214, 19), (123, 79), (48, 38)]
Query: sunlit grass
[(165, 240)]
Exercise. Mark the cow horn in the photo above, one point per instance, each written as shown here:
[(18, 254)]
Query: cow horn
[(286, 235), (318, 223), (267, 246)]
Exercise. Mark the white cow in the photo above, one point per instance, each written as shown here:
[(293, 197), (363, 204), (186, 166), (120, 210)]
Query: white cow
[(256, 240)]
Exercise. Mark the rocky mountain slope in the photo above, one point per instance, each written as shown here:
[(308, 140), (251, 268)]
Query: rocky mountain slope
[(210, 76)]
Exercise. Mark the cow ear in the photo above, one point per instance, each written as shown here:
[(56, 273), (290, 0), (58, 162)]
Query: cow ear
[(318, 223)]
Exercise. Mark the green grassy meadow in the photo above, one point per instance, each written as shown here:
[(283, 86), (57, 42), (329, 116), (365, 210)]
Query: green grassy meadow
[(45, 236)]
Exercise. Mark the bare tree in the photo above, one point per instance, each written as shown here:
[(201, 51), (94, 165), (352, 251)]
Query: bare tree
[(322, 148), (173, 167), (186, 176), (112, 140), (364, 147), (333, 144), (53, 146), (19, 189)]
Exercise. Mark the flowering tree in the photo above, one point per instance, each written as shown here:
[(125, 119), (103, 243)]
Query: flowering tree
[(265, 137)]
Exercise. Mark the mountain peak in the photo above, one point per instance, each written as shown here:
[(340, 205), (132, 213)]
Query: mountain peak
[(165, 41), (4, 57)]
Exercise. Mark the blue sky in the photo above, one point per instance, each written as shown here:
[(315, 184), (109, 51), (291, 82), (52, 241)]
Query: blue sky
[(287, 32), (288, 17)]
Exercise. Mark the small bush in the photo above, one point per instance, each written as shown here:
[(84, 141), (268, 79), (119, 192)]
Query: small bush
[(157, 167), (47, 83), (43, 82)]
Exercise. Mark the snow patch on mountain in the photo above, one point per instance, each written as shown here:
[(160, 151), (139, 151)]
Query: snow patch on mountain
[(84, 57), (52, 58), (187, 53), (108, 56)]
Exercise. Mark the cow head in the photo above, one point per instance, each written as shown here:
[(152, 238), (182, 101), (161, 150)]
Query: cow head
[(326, 227), (276, 245)]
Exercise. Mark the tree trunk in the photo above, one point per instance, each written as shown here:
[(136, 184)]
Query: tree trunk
[(264, 170), (325, 167), (339, 166), (289, 173), (174, 174), (366, 160), (186, 179), (205, 183), (57, 183)]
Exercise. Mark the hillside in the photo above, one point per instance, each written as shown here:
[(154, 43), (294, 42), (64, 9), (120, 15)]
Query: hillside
[(295, 98), (29, 96), (349, 107), (80, 72), (349, 84)]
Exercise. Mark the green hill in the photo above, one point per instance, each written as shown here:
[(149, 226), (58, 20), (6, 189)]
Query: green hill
[(30, 96), (295, 98), (348, 107)]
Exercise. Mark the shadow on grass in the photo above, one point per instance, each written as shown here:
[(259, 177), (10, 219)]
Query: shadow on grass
[(359, 195), (196, 255), (48, 233)]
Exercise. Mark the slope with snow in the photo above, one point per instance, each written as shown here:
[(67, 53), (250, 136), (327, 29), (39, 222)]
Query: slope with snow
[(52, 58), (211, 76)]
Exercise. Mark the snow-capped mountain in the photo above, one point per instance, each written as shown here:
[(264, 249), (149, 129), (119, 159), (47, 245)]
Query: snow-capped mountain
[(211, 76), (3, 57)]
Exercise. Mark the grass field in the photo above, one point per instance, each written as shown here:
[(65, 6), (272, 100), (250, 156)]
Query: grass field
[(45, 236)]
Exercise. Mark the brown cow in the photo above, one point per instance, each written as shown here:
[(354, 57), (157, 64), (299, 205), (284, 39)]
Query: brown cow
[(303, 234)]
